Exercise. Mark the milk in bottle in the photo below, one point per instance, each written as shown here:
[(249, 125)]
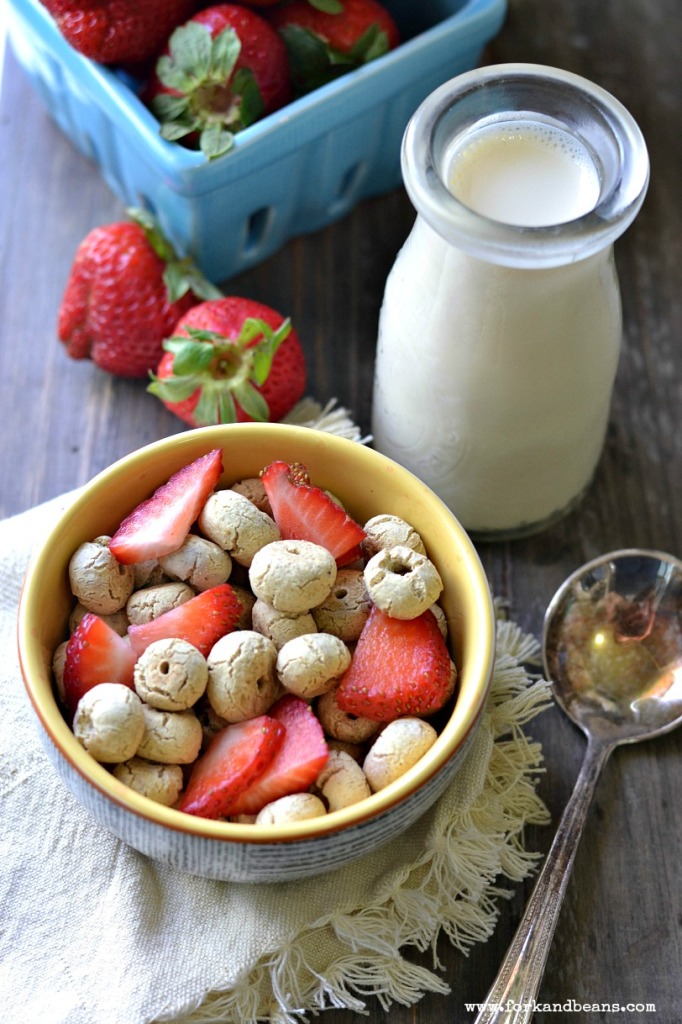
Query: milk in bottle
[(500, 328)]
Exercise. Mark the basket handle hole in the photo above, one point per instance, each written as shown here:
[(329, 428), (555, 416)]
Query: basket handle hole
[(257, 228), (348, 185)]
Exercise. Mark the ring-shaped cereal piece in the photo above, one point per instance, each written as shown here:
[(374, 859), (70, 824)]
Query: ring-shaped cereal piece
[(402, 582), (311, 664), (159, 782), (171, 674), (396, 749), (277, 626), (292, 575), (109, 722), (346, 610), (150, 602), (237, 525), (387, 531), (339, 725), (170, 737), (98, 580), (241, 675), (199, 562), (342, 781)]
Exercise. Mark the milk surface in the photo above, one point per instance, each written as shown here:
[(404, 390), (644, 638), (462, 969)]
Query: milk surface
[(493, 383), (527, 174)]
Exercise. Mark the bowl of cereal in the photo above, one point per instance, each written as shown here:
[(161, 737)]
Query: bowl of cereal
[(256, 652)]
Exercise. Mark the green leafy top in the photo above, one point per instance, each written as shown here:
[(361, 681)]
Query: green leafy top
[(181, 274), (211, 97), (315, 62), (222, 370)]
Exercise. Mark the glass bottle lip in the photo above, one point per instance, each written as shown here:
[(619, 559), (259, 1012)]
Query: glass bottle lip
[(526, 91)]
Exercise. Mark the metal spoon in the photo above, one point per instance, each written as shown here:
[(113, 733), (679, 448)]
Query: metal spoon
[(612, 648)]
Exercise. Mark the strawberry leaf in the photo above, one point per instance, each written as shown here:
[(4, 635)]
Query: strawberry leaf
[(173, 389), (372, 43), (206, 410), (189, 60), (264, 352), (196, 334), (173, 77), (251, 329), (226, 410), (196, 281), (173, 131), (252, 402), (179, 275), (308, 57), (176, 282), (327, 6), (153, 233), (224, 54), (170, 107), (182, 276), (251, 107), (192, 357), (215, 140)]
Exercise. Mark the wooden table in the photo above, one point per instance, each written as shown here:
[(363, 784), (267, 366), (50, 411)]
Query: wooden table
[(618, 939)]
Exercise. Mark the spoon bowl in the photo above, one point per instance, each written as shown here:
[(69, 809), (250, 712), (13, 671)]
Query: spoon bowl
[(613, 645), (612, 648)]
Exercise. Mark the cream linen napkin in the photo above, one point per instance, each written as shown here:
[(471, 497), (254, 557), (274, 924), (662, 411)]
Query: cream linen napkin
[(94, 933)]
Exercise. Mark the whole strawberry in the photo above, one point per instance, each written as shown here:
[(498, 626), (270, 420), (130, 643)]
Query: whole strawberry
[(231, 359), (327, 38), (223, 70), (119, 31), (126, 290)]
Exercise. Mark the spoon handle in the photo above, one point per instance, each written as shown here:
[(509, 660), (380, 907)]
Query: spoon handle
[(512, 996)]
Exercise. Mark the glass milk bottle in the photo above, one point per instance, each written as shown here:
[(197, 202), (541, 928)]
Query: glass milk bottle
[(500, 329)]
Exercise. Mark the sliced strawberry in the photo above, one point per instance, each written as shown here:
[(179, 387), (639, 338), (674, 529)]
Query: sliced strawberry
[(160, 524), (95, 654), (201, 621), (305, 512), (399, 667), (297, 763), (235, 759)]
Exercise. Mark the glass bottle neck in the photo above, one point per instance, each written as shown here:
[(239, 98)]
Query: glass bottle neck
[(524, 165)]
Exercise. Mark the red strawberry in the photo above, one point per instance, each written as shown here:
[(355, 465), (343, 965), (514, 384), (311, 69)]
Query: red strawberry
[(297, 763), (235, 759), (399, 667), (201, 621), (160, 524), (95, 654), (327, 38), (126, 290), (118, 31), (305, 512), (231, 359), (223, 70)]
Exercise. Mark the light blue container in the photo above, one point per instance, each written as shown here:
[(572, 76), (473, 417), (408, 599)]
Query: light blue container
[(294, 172)]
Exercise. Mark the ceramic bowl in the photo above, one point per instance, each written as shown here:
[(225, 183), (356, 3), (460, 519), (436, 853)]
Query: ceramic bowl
[(368, 483)]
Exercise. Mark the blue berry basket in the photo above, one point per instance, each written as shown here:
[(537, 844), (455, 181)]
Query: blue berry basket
[(293, 172)]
